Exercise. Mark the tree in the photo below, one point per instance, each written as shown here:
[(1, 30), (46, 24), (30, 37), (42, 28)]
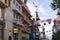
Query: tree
[(56, 36), (55, 4)]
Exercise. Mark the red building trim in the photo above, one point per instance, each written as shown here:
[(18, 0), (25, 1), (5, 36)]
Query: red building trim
[(27, 9)]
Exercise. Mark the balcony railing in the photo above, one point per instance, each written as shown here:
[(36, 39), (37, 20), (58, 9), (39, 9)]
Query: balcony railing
[(14, 21), (17, 22), (20, 1), (3, 4), (16, 7), (26, 29), (28, 21)]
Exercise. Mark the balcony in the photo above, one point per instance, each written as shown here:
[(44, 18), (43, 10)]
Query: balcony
[(20, 1), (16, 7), (19, 22), (16, 22), (2, 4), (26, 30), (28, 21)]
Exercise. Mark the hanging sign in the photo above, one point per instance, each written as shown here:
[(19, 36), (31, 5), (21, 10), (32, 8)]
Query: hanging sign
[(15, 30)]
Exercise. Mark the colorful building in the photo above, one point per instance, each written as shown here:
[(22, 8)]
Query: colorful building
[(5, 15), (17, 18), (26, 30)]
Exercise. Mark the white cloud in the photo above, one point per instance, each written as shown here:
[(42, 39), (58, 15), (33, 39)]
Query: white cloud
[(32, 9), (43, 18), (41, 9)]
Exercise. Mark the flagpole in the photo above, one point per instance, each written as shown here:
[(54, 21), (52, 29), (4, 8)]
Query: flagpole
[(36, 23)]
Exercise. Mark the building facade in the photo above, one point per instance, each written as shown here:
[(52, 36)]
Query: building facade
[(6, 15), (15, 18), (9, 13), (58, 15), (56, 26), (26, 30), (2, 22)]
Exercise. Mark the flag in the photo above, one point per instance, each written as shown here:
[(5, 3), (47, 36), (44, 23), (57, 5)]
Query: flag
[(35, 4), (37, 16), (49, 20)]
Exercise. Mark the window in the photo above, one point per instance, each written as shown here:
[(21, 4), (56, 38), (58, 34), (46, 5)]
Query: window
[(19, 7), (14, 1), (16, 4), (9, 3), (5, 1), (19, 18), (2, 15), (14, 15)]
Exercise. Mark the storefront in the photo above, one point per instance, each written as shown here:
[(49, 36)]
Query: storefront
[(15, 33), (25, 35)]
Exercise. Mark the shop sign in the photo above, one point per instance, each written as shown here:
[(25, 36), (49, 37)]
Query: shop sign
[(15, 30), (24, 34)]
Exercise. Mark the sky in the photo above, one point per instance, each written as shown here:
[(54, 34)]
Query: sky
[(44, 11)]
